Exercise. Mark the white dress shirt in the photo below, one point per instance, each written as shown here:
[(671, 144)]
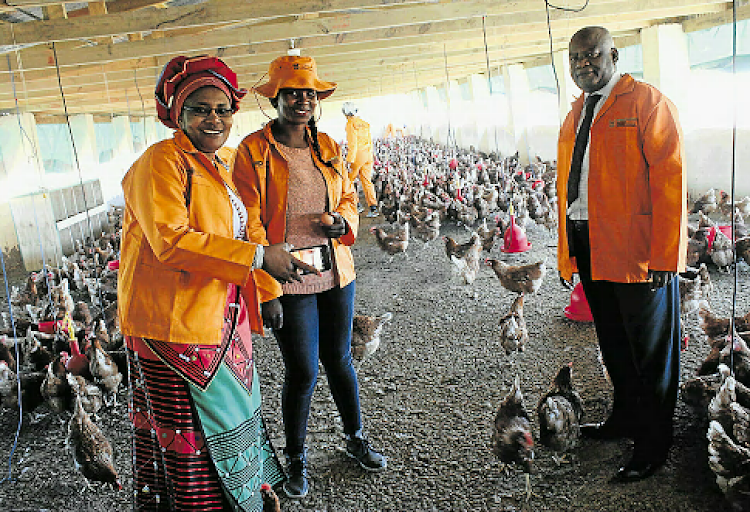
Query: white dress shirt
[(579, 209)]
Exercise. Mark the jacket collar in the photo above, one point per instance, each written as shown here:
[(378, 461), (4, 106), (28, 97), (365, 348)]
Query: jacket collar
[(625, 85), (325, 152)]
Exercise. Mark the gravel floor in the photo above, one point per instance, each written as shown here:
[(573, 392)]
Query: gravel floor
[(428, 398)]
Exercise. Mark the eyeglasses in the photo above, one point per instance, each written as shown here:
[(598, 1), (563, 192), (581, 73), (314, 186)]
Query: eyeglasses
[(588, 56), (299, 94), (206, 111)]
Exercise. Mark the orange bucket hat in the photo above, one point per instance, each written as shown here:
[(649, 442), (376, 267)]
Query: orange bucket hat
[(294, 72)]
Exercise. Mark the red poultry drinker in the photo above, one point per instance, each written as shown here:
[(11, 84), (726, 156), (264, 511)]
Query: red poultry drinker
[(515, 239), (578, 310)]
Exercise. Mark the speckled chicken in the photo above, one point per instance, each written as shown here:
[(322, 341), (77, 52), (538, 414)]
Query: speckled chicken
[(366, 332), (511, 440), (91, 451), (466, 266), (427, 229), (722, 252), (519, 278), (730, 462), (397, 241), (701, 389), (739, 354), (513, 332), (104, 370), (89, 393), (31, 388), (560, 411), (707, 203)]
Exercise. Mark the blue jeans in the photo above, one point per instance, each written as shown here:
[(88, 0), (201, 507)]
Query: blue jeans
[(317, 326)]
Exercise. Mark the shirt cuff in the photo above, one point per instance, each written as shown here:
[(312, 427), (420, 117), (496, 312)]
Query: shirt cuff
[(258, 259)]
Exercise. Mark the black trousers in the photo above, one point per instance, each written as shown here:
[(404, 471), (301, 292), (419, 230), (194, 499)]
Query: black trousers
[(639, 335)]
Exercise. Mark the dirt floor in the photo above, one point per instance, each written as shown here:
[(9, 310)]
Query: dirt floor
[(429, 396)]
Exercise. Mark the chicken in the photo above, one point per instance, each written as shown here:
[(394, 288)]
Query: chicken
[(722, 252), (740, 423), (31, 388), (706, 203), (55, 387), (700, 390), (428, 229), (697, 250), (513, 332), (718, 407), (560, 412), (511, 440), (695, 289), (104, 370), (742, 247), (739, 354), (82, 316), (519, 278), (7, 353), (270, 500), (91, 451), (36, 356), (395, 242), (726, 458), (90, 394), (466, 266), (366, 332)]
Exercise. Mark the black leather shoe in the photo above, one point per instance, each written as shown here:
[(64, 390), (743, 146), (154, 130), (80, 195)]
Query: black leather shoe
[(634, 471), (604, 431)]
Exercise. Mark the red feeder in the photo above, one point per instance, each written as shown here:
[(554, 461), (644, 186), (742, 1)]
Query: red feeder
[(727, 230), (113, 265), (515, 238), (578, 310), (47, 327)]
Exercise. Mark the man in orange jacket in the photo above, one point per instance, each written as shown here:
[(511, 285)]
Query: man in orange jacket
[(359, 155), (622, 203)]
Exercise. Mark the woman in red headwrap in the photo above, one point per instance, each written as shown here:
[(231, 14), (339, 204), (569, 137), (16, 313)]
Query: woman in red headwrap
[(188, 302), (293, 183)]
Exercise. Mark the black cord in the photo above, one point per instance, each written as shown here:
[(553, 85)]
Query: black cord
[(732, 333), (547, 6)]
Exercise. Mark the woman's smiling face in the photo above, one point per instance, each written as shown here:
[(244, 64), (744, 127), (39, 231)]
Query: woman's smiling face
[(207, 119)]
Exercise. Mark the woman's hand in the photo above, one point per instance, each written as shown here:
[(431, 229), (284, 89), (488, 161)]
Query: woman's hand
[(283, 266), (273, 314), (333, 224)]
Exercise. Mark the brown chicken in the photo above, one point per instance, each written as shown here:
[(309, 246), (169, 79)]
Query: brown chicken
[(427, 229), (739, 354), (560, 412), (700, 390), (742, 247), (270, 500), (453, 248), (366, 332), (511, 440), (91, 451), (729, 460), (31, 388), (104, 370), (395, 242), (55, 388), (513, 332), (697, 250), (519, 278), (90, 394)]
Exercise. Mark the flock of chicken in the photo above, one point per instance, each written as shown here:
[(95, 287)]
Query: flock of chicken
[(70, 359)]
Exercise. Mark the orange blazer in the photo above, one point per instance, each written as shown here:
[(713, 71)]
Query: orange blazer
[(358, 141), (637, 186), (261, 174), (176, 261)]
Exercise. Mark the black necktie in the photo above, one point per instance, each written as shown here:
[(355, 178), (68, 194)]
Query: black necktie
[(582, 140)]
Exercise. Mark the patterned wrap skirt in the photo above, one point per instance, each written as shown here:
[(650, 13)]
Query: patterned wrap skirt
[(199, 441)]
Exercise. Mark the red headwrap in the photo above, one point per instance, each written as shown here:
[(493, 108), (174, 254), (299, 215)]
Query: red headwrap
[(183, 75)]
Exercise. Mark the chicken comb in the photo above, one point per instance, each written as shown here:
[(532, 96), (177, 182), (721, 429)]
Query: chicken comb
[(265, 487)]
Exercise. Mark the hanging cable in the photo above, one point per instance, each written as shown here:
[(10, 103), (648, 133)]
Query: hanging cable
[(732, 332), (547, 7), (448, 100), (143, 106)]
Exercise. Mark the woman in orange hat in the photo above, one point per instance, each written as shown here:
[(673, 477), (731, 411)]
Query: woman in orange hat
[(188, 302), (292, 181)]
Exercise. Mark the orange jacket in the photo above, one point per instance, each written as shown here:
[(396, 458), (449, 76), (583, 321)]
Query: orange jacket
[(637, 186), (176, 262), (261, 174), (358, 141)]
